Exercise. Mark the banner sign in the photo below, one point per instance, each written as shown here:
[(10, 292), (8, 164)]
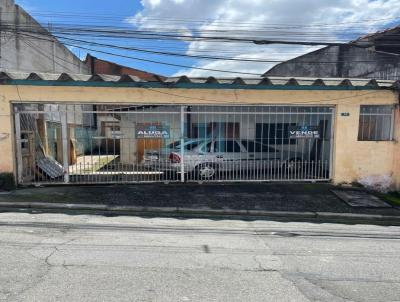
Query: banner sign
[(304, 132), (152, 131)]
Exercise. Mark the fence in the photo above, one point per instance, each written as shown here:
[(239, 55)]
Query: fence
[(78, 143)]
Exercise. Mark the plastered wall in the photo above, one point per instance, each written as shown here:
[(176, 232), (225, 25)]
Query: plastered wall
[(352, 159)]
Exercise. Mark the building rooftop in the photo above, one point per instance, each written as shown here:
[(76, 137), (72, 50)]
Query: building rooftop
[(375, 55), (66, 79), (101, 66)]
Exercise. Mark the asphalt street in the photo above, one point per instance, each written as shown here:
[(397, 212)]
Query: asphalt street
[(58, 257)]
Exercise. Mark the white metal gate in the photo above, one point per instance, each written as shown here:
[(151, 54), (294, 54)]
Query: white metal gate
[(172, 143)]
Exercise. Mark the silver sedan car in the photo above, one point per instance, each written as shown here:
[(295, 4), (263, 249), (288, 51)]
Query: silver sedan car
[(206, 158)]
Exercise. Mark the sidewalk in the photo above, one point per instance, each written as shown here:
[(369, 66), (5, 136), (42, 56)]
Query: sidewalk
[(251, 200)]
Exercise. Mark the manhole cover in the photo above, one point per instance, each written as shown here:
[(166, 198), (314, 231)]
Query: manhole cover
[(360, 199)]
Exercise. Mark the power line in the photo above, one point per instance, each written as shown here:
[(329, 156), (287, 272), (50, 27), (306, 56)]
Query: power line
[(165, 63), (169, 53), (395, 59), (193, 20), (140, 34), (74, 31)]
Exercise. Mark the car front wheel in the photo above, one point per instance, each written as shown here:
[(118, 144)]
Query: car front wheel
[(206, 171)]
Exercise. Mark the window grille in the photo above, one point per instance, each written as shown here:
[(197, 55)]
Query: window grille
[(376, 123)]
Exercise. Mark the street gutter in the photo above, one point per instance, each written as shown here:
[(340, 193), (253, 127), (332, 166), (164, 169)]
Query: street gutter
[(203, 212)]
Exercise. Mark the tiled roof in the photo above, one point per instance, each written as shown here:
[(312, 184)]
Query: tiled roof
[(379, 34), (7, 77)]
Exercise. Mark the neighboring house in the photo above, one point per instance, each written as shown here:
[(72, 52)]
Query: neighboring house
[(32, 52), (27, 46), (99, 66), (379, 61)]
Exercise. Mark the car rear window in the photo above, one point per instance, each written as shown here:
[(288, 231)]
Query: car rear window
[(192, 145), (174, 145)]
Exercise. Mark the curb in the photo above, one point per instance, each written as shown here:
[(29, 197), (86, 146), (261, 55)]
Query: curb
[(192, 212)]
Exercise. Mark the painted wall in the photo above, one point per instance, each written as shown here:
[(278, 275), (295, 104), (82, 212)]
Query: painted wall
[(356, 159), (352, 159), (19, 52)]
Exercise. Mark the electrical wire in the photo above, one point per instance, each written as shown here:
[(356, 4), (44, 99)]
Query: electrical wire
[(66, 32), (108, 16), (165, 63), (394, 58)]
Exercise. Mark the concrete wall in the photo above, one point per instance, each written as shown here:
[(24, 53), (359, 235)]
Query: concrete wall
[(341, 62), (19, 52), (352, 160)]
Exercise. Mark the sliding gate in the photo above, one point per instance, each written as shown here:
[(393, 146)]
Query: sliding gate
[(78, 143)]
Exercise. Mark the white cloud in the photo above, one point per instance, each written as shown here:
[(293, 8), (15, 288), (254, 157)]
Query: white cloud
[(278, 19)]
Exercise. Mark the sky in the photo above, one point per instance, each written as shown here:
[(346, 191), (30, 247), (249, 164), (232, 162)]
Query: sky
[(328, 20)]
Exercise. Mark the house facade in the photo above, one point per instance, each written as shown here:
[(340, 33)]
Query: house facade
[(181, 129)]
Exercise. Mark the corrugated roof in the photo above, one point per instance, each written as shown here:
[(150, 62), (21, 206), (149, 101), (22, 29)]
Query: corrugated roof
[(7, 77)]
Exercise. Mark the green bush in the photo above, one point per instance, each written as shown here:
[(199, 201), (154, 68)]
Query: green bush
[(7, 181), (393, 198)]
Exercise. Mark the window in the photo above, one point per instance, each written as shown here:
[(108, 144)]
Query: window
[(115, 128), (227, 146), (252, 146), (215, 129), (274, 134), (376, 123), (24, 142)]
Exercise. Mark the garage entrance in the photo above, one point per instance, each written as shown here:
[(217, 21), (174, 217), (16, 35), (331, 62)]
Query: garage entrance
[(80, 144)]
